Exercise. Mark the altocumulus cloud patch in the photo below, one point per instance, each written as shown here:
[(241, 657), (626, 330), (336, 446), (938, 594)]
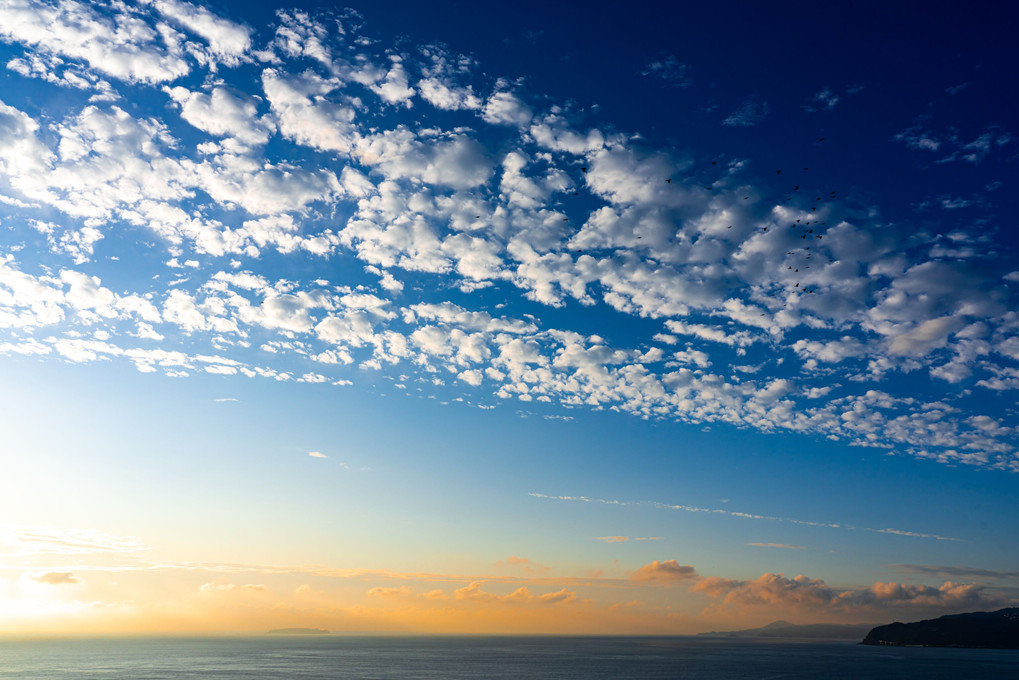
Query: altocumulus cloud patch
[(307, 202)]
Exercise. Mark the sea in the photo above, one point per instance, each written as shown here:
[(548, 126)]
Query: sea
[(489, 658)]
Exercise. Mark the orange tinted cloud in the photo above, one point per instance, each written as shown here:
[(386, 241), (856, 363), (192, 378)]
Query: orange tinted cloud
[(521, 595), (669, 571), (56, 578), (231, 587), (382, 591), (810, 593), (527, 564), (768, 589)]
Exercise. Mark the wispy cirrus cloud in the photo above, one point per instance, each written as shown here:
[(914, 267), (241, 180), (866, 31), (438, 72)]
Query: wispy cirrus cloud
[(752, 111), (952, 146), (738, 515), (20, 540), (955, 571), (233, 587), (667, 68)]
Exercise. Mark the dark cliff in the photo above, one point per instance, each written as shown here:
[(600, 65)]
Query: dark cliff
[(990, 630)]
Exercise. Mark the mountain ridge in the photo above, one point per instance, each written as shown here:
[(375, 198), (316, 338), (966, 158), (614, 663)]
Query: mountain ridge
[(985, 630), (784, 629)]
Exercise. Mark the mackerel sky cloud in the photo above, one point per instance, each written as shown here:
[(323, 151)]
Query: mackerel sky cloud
[(796, 290), (305, 199)]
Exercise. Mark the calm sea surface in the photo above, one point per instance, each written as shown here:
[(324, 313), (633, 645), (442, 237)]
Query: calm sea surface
[(560, 658)]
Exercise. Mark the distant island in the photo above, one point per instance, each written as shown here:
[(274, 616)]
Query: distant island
[(987, 630), (812, 631), (298, 631)]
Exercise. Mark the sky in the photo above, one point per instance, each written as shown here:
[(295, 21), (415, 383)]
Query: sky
[(544, 318)]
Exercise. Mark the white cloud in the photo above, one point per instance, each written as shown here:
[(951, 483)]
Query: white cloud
[(119, 42), (54, 69), (305, 116), (505, 108), (445, 95), (458, 161), (227, 40), (306, 166), (38, 540), (222, 114), (394, 88), (554, 132)]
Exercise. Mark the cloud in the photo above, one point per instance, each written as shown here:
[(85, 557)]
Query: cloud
[(313, 156), (382, 591), (228, 41), (304, 114), (924, 337), (115, 42), (233, 588), (916, 534), (824, 100), (802, 592), (505, 108), (624, 539), (222, 114), (316, 454), (735, 514), (521, 596), (37, 540), (394, 89), (525, 563), (56, 578), (667, 572), (435, 595), (53, 69), (457, 161), (991, 140), (955, 571), (751, 112), (768, 589), (669, 69), (446, 95)]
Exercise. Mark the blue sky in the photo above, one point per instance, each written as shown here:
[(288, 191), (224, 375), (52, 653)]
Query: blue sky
[(663, 306)]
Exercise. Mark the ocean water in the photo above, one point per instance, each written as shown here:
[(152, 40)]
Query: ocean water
[(488, 658)]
